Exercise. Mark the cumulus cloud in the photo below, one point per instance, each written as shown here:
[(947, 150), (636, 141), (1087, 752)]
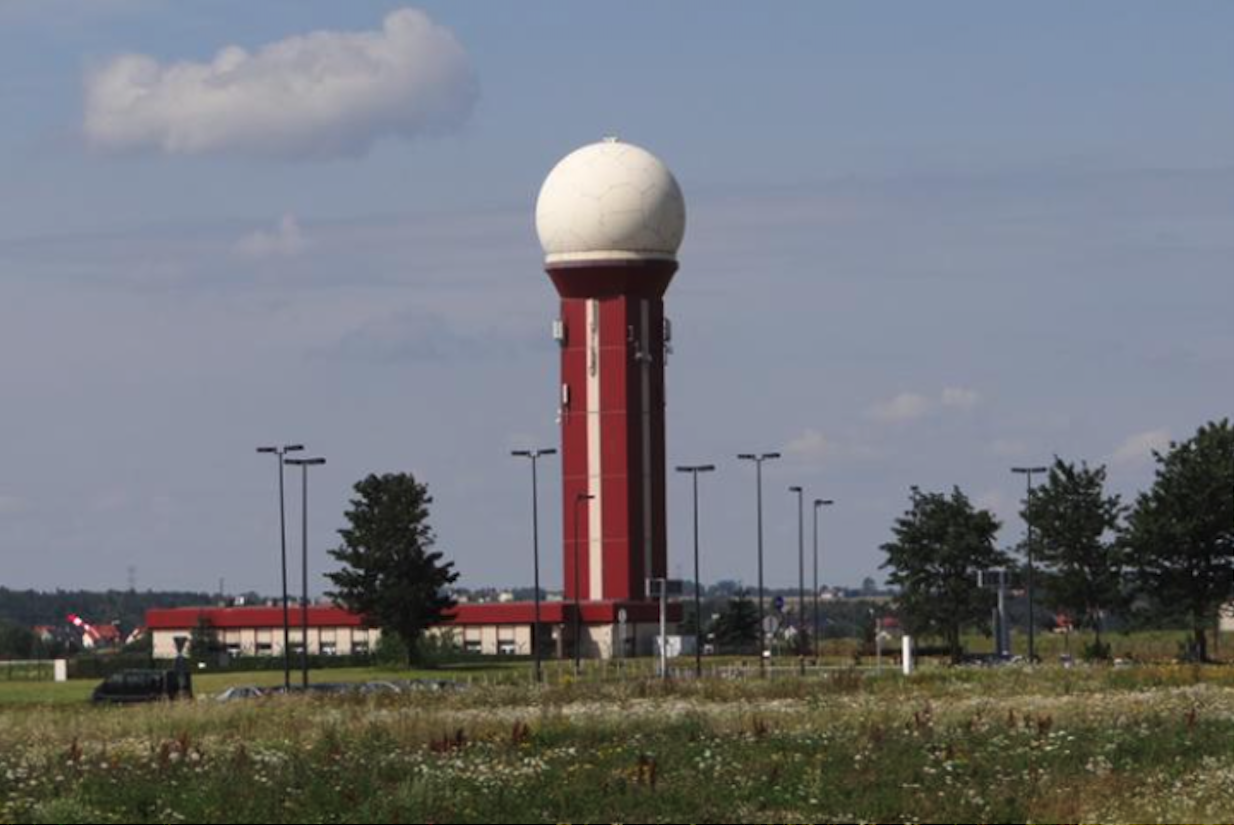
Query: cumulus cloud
[(320, 95), (1141, 446), (285, 241), (909, 406), (811, 445)]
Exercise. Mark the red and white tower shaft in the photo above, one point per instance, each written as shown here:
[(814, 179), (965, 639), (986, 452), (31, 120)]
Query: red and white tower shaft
[(613, 355), (611, 218)]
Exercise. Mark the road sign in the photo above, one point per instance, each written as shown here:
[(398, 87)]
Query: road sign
[(675, 587)]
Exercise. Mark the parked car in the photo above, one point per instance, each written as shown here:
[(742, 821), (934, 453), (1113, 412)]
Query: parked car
[(240, 692), (129, 686)]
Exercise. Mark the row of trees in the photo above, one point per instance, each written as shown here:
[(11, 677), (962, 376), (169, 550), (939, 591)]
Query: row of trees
[(1166, 560)]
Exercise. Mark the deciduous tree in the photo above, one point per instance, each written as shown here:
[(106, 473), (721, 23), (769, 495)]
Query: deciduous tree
[(940, 544), (1181, 532)]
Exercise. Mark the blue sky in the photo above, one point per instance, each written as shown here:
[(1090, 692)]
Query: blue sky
[(926, 242)]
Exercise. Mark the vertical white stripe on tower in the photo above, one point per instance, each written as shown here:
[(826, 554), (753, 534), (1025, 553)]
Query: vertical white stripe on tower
[(595, 529), (648, 355)]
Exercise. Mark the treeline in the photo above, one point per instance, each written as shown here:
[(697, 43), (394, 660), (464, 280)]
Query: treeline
[(29, 608), (1166, 560)]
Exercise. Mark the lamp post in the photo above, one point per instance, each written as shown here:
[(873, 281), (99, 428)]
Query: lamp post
[(578, 607), (278, 453), (304, 464), (818, 502), (758, 460), (694, 470), (534, 456), (1028, 473), (801, 558)]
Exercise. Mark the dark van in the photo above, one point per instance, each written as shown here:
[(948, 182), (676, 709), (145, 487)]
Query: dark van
[(144, 686)]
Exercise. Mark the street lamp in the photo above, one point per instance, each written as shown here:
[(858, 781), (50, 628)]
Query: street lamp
[(801, 557), (579, 498), (304, 464), (278, 453), (758, 460), (694, 470), (534, 456), (1028, 473), (818, 502)]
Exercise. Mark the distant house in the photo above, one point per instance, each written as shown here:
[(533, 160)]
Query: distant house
[(109, 635)]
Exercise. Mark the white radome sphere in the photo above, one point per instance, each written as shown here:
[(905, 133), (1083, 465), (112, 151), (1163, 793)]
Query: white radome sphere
[(610, 201)]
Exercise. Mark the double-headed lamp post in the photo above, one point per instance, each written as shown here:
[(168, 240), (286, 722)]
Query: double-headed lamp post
[(818, 503), (304, 464), (278, 453), (534, 457), (578, 593), (1028, 473), (694, 470), (801, 557), (758, 460)]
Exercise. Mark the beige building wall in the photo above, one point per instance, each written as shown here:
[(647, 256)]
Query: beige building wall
[(336, 641), (599, 641)]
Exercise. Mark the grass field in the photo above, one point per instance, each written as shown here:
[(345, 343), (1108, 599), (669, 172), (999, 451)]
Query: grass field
[(1151, 743)]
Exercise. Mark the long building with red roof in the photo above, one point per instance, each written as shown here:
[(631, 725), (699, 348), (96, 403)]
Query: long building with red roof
[(491, 629)]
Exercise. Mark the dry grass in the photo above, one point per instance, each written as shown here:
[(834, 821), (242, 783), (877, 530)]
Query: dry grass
[(1089, 745)]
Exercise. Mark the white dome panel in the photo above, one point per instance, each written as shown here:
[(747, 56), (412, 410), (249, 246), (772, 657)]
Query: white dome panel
[(610, 200)]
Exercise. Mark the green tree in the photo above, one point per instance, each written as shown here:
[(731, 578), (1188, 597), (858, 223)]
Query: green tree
[(16, 642), (1181, 533), (736, 628), (940, 544), (1077, 546), (203, 641), (391, 574)]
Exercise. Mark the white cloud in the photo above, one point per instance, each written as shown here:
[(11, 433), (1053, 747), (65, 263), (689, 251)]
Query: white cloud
[(907, 406), (324, 94), (285, 241), (961, 398), (910, 406), (811, 445), (1140, 447)]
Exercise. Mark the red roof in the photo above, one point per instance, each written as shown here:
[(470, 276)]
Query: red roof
[(187, 618), (108, 633), (559, 612)]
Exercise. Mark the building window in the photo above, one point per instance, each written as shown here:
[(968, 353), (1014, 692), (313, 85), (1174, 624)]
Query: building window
[(507, 647), (473, 646), (265, 649), (329, 649)]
